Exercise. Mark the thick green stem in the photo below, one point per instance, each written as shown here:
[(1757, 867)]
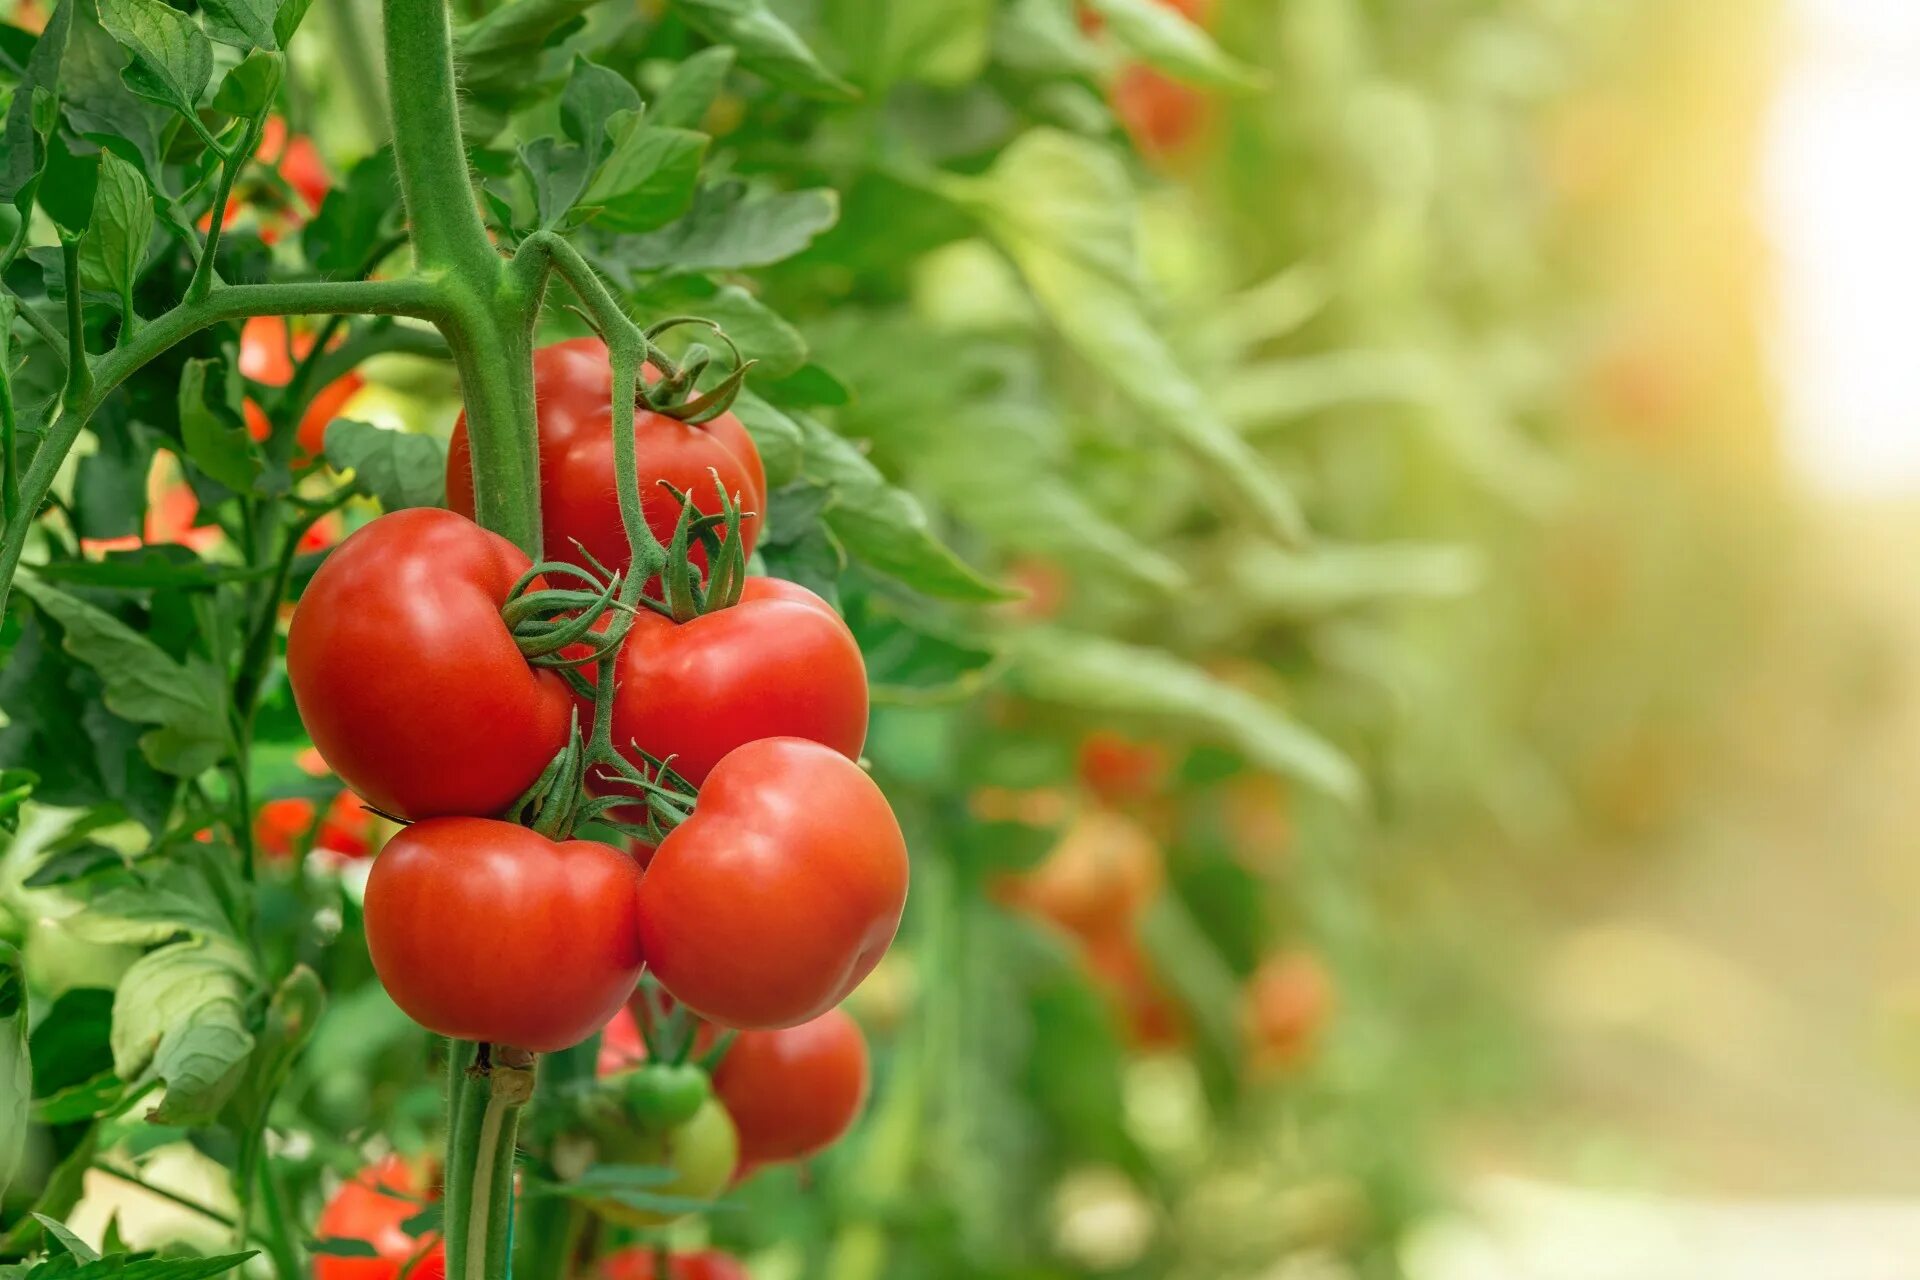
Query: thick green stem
[(79, 376), (410, 296), (486, 1100), (424, 112)]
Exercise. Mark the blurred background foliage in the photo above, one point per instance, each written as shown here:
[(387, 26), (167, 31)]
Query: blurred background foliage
[(1370, 423)]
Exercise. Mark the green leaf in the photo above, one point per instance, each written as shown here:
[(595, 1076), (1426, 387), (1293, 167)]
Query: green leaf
[(244, 24), (67, 190), (648, 177), (215, 432), (342, 1247), (34, 109), (74, 864), (16, 785), (885, 528), (179, 1017), (251, 87), (150, 568), (143, 684), (1094, 673), (115, 247), (767, 45), (941, 42), (16, 1066), (172, 57), (65, 1238), (1062, 209), (354, 215), (686, 98), (287, 21), (1164, 37), (775, 435), (593, 97), (397, 468), (291, 1016), (1270, 581), (133, 1267), (495, 50), (558, 174), (775, 346), (728, 228)]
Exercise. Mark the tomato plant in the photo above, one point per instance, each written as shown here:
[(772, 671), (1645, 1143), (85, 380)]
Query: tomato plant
[(373, 1208), (794, 1092)]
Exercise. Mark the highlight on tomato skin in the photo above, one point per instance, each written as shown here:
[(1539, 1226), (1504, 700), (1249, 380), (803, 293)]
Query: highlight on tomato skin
[(794, 1092), (372, 1207)]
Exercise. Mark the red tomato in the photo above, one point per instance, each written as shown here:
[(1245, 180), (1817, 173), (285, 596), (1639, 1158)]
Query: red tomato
[(408, 680), (780, 663), (264, 357), (372, 1208), (1160, 114), (793, 1092), (483, 930), (171, 511), (348, 827), (280, 824), (1119, 769), (636, 1263), (620, 1044), (1285, 1007), (1103, 872), (1150, 1017), (574, 383), (781, 892)]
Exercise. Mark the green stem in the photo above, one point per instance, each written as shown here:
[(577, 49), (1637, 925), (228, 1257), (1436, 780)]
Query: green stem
[(280, 1243), (231, 162), (185, 1202), (407, 296), (424, 112), (485, 1115), (79, 376), (9, 476)]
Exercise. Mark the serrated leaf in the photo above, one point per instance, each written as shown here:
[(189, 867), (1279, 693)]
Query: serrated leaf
[(648, 177), (66, 1239), (172, 57), (287, 21), (397, 468), (767, 45), (1164, 37), (142, 684), (594, 96), (214, 430), (16, 1065), (134, 1267), (495, 49), (885, 528), (1062, 209), (31, 113), (1094, 673), (686, 98), (179, 1016), (244, 24), (729, 228), (115, 247)]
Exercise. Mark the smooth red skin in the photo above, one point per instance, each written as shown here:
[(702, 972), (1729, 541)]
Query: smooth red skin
[(264, 358), (361, 1210), (781, 892), (780, 664), (483, 930), (793, 1093), (407, 679), (636, 1263), (573, 382)]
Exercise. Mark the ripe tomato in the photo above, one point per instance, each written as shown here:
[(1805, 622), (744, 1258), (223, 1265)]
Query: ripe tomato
[(371, 1208), (578, 501), (171, 512), (346, 830), (1160, 114), (1121, 770), (264, 357), (408, 680), (1148, 1014), (780, 663), (781, 892), (1103, 872), (792, 1093), (299, 163), (348, 827), (1284, 1008), (620, 1044), (701, 1153), (280, 824), (483, 930), (636, 1263)]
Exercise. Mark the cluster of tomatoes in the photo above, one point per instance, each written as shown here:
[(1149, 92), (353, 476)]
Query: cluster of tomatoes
[(754, 915), (1103, 875)]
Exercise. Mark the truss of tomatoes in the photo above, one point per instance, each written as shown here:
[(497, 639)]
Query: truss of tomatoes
[(761, 910)]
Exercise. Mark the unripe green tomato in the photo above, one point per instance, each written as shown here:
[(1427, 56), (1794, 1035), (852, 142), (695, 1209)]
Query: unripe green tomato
[(662, 1095), (701, 1153)]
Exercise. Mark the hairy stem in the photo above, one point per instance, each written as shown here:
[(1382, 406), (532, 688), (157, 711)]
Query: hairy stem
[(424, 113)]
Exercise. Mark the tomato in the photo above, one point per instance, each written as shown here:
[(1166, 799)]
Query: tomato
[(280, 824), (1150, 1017), (636, 1263), (621, 1047), (483, 930), (1160, 114), (407, 678), (1119, 769), (701, 1153), (792, 1093), (346, 830), (780, 663), (298, 162), (348, 827), (1286, 1005), (574, 383), (1103, 872), (781, 892), (372, 1208), (171, 512), (264, 357)]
